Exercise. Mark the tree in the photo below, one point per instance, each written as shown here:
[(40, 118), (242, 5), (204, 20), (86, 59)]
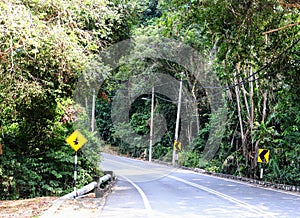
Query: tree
[(253, 47), (45, 46)]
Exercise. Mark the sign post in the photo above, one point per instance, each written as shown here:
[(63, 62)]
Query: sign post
[(263, 157), (175, 152), (76, 140), (75, 174)]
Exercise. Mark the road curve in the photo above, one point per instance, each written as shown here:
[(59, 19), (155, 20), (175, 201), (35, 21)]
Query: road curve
[(151, 190)]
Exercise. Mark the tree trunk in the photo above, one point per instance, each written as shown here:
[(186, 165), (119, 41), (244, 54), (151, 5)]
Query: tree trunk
[(264, 111), (237, 92)]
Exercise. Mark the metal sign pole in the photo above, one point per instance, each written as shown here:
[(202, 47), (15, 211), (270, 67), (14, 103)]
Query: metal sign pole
[(263, 157), (175, 152), (261, 173), (93, 111), (151, 125), (75, 174), (76, 140)]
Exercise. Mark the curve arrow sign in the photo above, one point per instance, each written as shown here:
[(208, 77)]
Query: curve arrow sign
[(263, 155)]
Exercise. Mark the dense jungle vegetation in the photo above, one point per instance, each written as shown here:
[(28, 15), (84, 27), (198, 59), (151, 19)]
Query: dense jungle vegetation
[(46, 45)]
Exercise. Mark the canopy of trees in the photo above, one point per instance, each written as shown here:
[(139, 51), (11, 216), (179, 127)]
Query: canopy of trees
[(46, 46), (255, 50)]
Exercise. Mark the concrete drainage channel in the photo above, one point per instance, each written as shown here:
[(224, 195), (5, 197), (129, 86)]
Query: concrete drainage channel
[(88, 203)]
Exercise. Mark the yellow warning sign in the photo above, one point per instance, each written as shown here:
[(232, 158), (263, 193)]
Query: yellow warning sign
[(177, 146), (76, 140), (263, 155)]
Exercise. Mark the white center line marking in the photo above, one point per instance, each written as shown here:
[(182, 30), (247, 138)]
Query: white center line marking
[(224, 196)]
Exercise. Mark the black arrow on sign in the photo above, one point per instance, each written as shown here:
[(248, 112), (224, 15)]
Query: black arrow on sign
[(262, 155), (76, 141)]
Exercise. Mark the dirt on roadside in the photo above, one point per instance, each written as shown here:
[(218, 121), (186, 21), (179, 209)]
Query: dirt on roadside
[(26, 208)]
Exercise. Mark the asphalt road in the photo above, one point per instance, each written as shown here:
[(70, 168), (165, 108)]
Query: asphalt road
[(151, 190)]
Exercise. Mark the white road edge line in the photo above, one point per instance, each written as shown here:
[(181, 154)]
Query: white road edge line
[(143, 195), (227, 197), (244, 183)]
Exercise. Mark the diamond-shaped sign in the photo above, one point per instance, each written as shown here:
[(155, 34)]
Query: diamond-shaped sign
[(76, 140)]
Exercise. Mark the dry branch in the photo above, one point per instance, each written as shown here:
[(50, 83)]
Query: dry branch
[(290, 4), (282, 28)]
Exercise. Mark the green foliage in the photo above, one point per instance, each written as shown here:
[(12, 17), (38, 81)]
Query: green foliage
[(45, 167), (254, 51), (163, 150), (45, 46), (236, 31), (188, 159)]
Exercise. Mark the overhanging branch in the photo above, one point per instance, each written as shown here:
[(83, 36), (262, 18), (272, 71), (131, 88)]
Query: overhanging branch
[(282, 28)]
